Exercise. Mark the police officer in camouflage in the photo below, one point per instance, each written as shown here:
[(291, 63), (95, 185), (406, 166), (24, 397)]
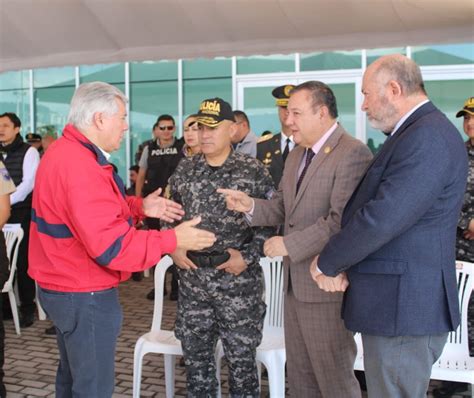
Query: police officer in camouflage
[(221, 290)]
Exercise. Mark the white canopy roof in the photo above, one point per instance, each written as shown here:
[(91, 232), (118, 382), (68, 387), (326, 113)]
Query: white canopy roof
[(42, 33)]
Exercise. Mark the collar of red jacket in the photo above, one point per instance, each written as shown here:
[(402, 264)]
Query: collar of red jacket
[(72, 133)]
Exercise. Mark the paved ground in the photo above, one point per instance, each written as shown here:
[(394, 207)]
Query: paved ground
[(31, 359)]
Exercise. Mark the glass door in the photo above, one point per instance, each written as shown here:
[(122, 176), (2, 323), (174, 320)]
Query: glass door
[(254, 97)]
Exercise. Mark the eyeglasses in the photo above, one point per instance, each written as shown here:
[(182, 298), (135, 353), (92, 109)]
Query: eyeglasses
[(163, 128)]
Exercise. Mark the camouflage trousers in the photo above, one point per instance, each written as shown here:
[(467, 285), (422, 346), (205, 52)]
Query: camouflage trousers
[(214, 304)]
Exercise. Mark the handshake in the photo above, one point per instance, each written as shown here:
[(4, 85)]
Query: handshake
[(188, 237)]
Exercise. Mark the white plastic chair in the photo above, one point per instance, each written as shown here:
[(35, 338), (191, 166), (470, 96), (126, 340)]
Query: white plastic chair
[(13, 236), (359, 360), (271, 351), (157, 340), (455, 364)]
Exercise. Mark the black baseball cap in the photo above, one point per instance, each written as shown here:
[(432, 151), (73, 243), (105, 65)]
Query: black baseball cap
[(214, 111)]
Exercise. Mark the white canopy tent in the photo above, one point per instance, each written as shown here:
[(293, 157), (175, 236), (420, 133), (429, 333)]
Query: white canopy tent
[(43, 33)]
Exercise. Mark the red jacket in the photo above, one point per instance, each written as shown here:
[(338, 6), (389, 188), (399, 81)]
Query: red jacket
[(82, 236)]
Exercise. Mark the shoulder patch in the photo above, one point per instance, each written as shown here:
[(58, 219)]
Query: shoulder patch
[(264, 138)]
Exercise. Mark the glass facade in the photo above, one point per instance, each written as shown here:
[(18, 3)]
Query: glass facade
[(109, 73), (261, 110), (265, 64), (148, 100), (17, 101), (154, 88), (450, 95), (15, 96), (52, 107), (453, 54)]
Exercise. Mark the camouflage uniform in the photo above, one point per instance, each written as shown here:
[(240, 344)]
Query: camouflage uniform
[(465, 247), (215, 304)]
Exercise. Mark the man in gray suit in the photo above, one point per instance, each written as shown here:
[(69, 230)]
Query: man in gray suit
[(319, 176)]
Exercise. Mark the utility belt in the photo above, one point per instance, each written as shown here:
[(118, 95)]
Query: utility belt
[(208, 259)]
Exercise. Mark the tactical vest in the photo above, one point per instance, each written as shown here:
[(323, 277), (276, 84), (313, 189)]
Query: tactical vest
[(14, 165), (161, 164)]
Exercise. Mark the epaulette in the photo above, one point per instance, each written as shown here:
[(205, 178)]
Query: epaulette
[(264, 138)]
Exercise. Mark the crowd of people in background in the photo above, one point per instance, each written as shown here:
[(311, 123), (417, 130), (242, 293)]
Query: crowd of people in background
[(359, 233)]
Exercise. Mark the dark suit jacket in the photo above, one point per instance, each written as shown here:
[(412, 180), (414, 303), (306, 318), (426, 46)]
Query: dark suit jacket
[(269, 153), (398, 237), (313, 215)]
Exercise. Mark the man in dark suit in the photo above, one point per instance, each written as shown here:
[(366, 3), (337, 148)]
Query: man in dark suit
[(319, 177), (272, 150), (397, 242)]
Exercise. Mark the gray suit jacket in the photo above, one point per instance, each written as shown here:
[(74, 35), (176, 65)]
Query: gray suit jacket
[(313, 215)]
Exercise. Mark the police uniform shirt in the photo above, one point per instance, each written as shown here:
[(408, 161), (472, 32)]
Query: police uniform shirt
[(194, 185)]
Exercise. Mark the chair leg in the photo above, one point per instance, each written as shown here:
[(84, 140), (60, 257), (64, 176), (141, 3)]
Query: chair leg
[(276, 377), (137, 370), (170, 363), (41, 313), (16, 320), (218, 359)]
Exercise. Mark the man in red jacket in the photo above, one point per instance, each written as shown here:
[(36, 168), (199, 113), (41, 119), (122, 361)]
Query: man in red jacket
[(83, 243)]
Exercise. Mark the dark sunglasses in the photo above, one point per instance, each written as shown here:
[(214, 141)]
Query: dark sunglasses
[(163, 128)]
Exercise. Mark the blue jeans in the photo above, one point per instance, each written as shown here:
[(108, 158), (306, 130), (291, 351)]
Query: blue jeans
[(87, 326)]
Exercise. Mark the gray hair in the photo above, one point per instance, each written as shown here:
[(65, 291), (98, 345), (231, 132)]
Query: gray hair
[(90, 98), (403, 70)]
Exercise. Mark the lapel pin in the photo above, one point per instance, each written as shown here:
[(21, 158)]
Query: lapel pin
[(327, 149)]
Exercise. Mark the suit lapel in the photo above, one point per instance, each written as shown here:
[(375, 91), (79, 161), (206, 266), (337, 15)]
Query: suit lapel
[(316, 163), (291, 167)]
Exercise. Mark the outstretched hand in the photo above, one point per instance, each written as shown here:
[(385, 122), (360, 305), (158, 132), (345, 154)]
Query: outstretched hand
[(237, 200), (158, 207), (189, 237)]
